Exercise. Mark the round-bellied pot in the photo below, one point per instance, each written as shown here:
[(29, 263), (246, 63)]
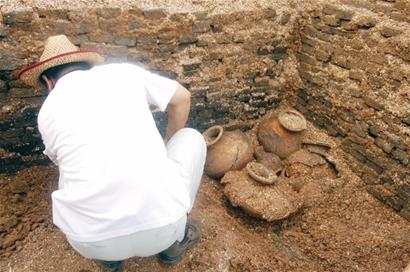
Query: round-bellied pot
[(227, 150), (276, 137)]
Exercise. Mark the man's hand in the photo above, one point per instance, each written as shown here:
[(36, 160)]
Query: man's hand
[(178, 111)]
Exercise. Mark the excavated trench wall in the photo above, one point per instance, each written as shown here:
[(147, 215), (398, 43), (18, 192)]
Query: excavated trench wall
[(354, 60), (345, 64), (233, 66)]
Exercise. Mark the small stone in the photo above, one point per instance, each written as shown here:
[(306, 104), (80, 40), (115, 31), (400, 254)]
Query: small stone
[(284, 19)]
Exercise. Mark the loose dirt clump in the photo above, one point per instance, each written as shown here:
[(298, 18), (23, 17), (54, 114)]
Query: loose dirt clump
[(269, 202)]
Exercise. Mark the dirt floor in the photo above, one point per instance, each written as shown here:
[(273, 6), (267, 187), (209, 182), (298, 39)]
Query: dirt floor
[(340, 228)]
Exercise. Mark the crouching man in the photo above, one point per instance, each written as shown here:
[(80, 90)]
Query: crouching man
[(123, 190)]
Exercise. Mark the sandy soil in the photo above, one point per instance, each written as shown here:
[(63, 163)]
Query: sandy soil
[(340, 228)]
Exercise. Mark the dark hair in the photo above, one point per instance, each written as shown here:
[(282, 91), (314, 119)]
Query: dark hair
[(56, 72)]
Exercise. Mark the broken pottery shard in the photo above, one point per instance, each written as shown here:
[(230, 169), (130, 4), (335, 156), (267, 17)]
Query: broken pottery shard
[(307, 158), (271, 203), (268, 159)]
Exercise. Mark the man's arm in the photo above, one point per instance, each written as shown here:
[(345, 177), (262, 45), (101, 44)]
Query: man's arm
[(178, 111)]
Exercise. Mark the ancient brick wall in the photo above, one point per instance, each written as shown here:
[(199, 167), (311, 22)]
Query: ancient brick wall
[(232, 63), (354, 60)]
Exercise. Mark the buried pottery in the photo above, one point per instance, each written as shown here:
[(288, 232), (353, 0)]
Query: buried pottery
[(268, 159), (261, 173), (268, 202), (282, 134), (227, 150)]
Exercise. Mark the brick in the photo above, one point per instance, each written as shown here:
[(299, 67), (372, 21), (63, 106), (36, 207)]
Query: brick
[(305, 39), (223, 39), (191, 67), (187, 39), (383, 144), (373, 103), (154, 14), (366, 22), (133, 25), (374, 131), (401, 156), (108, 13), (312, 32), (125, 40), (265, 50), (101, 37), (313, 78), (201, 26), (356, 75), (22, 92), (331, 20), (322, 56), (18, 17), (279, 52), (12, 60), (396, 141), (307, 49), (306, 59), (238, 38), (341, 59), (201, 43), (339, 13), (390, 31)]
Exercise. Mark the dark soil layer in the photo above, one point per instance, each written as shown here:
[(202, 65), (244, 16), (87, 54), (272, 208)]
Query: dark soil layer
[(340, 228)]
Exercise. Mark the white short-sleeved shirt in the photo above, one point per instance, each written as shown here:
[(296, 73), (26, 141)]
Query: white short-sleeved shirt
[(115, 177)]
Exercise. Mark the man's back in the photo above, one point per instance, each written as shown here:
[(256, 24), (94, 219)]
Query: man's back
[(115, 177)]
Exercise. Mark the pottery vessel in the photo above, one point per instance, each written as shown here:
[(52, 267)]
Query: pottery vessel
[(261, 173), (275, 138), (227, 150)]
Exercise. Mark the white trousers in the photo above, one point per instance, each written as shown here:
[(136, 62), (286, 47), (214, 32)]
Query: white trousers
[(188, 149)]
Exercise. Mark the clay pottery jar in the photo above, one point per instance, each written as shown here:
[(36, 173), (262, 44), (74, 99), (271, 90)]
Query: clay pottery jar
[(227, 150), (282, 134)]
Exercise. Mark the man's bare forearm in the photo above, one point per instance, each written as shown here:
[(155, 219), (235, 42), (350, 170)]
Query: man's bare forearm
[(178, 111)]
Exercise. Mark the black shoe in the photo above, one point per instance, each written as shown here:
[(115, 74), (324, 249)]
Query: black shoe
[(111, 266), (174, 253)]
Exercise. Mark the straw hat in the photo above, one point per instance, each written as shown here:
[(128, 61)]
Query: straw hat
[(58, 50)]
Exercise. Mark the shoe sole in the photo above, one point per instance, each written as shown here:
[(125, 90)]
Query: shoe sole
[(173, 260)]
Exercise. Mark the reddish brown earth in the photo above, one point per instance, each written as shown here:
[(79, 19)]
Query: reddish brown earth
[(340, 228)]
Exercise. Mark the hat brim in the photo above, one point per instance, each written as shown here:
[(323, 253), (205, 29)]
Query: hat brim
[(31, 74)]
